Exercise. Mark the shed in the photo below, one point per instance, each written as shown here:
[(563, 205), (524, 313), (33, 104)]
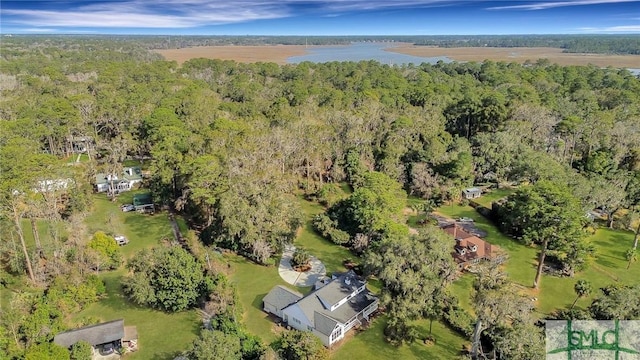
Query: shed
[(471, 193)]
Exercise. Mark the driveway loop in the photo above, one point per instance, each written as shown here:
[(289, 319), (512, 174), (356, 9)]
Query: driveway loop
[(302, 279)]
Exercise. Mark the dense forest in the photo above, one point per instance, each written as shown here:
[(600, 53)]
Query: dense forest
[(595, 44), (230, 146)]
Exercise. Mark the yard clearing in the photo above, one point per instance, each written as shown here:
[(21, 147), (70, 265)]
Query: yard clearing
[(607, 267), (519, 55), (143, 231)]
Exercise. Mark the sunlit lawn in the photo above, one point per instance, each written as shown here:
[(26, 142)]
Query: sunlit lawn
[(607, 267), (253, 282), (142, 230), (161, 335), (370, 344), (329, 253), (493, 195)]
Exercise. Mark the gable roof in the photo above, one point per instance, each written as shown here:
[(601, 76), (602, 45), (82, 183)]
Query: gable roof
[(281, 297), (94, 334), (466, 241), (338, 289), (472, 190), (323, 323), (128, 174)]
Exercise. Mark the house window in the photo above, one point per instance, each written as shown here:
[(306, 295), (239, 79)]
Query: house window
[(296, 320), (335, 335)]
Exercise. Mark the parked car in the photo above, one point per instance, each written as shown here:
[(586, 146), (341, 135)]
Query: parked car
[(107, 349), (127, 207), (465, 219), (121, 240)]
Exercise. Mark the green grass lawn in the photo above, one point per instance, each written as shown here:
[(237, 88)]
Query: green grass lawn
[(253, 282), (370, 344), (142, 230), (160, 335), (329, 253), (493, 195), (607, 267)]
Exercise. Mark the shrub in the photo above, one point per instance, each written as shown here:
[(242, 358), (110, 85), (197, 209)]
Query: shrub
[(107, 249), (165, 278), (329, 194), (81, 351), (300, 345), (459, 320), (300, 257)]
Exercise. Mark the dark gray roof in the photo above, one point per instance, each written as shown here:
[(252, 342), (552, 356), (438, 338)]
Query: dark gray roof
[(281, 297), (340, 288), (311, 304), (323, 323), (95, 334)]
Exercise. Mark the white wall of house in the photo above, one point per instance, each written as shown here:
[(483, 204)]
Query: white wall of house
[(296, 318), (337, 334)]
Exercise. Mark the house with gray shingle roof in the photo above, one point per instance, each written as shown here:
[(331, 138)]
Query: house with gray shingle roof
[(334, 308), (279, 298)]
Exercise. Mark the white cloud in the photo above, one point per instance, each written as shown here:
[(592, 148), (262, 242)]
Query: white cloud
[(193, 13), (555, 4), (612, 29)]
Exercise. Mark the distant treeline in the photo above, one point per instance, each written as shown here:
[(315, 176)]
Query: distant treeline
[(599, 44)]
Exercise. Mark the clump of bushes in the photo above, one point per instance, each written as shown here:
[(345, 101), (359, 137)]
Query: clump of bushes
[(300, 258), (329, 229)]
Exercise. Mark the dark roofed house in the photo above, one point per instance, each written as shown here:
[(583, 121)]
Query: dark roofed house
[(279, 298), (111, 332), (332, 309), (95, 335), (469, 249)]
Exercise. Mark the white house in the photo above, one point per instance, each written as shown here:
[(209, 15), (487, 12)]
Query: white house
[(329, 312), (124, 182)]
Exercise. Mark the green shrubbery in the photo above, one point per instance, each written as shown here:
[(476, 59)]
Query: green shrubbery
[(166, 278)]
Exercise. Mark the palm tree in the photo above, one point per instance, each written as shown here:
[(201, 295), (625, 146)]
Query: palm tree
[(582, 288), (631, 256)]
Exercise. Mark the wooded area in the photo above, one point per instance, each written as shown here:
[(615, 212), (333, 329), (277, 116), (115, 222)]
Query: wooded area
[(230, 146)]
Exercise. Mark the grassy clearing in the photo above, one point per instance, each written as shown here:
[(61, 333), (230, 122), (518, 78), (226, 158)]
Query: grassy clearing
[(462, 288), (493, 195), (160, 335), (329, 253), (142, 230), (253, 282), (370, 344), (608, 265)]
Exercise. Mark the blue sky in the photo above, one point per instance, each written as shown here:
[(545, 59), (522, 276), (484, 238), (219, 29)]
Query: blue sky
[(320, 17)]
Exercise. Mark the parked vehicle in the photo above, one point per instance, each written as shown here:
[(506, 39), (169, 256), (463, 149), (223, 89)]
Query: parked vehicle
[(107, 349), (127, 207), (121, 240)]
